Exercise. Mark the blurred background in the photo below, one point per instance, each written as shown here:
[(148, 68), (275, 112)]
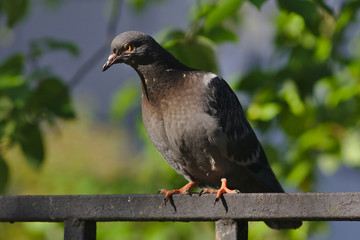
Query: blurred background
[(68, 128)]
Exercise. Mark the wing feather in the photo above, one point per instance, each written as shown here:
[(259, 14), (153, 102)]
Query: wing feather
[(243, 147)]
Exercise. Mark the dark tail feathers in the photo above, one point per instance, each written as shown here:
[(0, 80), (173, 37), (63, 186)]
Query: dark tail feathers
[(284, 224)]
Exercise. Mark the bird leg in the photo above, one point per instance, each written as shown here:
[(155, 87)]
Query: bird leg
[(184, 190), (219, 192)]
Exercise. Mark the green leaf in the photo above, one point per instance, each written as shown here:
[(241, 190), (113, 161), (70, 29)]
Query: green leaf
[(201, 10), (319, 138), (15, 88), (14, 65), (306, 9), (224, 9), (6, 106), (52, 95), (4, 174), (125, 100), (12, 82), (44, 45), (220, 34), (169, 35), (257, 3), (325, 6), (31, 143), (197, 52), (137, 4), (289, 93), (15, 10), (294, 125), (255, 80), (350, 148), (300, 172), (328, 163), (7, 82), (264, 112)]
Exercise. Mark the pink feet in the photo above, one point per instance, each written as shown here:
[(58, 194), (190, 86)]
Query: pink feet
[(219, 192), (184, 190)]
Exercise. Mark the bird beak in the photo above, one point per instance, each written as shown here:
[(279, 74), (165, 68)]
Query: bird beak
[(113, 58)]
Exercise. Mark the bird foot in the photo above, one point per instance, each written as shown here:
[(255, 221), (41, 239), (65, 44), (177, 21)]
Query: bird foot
[(219, 192), (184, 190)]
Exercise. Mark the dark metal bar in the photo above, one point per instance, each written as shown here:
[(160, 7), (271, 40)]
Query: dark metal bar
[(228, 229), (79, 230), (250, 207)]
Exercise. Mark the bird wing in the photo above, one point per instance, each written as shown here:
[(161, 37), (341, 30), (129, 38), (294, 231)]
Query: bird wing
[(242, 145)]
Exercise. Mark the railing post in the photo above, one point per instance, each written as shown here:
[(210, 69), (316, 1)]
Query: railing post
[(228, 229), (74, 229)]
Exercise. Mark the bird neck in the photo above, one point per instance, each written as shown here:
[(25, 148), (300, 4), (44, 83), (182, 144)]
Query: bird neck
[(158, 76)]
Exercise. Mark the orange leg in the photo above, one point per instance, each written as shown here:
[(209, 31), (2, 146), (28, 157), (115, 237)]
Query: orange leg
[(219, 192), (184, 190)]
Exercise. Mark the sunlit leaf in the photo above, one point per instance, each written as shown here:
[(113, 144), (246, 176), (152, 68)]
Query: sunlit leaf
[(306, 9), (319, 138), (341, 88), (299, 172), (292, 25), (11, 81), (224, 9), (264, 112), (323, 49), (290, 94), (351, 149), (328, 163)]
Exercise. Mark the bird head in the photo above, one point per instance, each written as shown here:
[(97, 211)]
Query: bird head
[(133, 48)]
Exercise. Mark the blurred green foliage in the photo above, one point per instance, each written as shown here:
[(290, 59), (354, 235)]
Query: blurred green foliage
[(311, 99), (29, 95)]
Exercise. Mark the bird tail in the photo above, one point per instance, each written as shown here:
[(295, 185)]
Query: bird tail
[(284, 224)]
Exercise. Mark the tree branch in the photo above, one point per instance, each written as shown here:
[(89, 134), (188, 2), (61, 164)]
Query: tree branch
[(98, 54)]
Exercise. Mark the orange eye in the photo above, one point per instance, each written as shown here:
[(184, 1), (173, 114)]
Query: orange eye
[(128, 48)]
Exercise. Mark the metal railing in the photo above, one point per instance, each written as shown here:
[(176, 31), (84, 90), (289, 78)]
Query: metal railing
[(81, 212)]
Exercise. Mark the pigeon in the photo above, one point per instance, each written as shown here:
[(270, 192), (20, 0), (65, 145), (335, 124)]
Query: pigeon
[(196, 122)]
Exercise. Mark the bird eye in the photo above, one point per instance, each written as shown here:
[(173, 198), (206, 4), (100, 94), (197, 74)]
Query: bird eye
[(128, 47)]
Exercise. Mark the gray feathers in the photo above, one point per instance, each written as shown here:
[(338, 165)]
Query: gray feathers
[(196, 122)]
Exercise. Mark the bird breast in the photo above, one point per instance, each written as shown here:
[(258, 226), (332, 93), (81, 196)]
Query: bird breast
[(183, 133)]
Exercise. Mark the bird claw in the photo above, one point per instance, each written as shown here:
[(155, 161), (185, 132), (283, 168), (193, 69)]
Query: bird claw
[(183, 190), (219, 192)]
